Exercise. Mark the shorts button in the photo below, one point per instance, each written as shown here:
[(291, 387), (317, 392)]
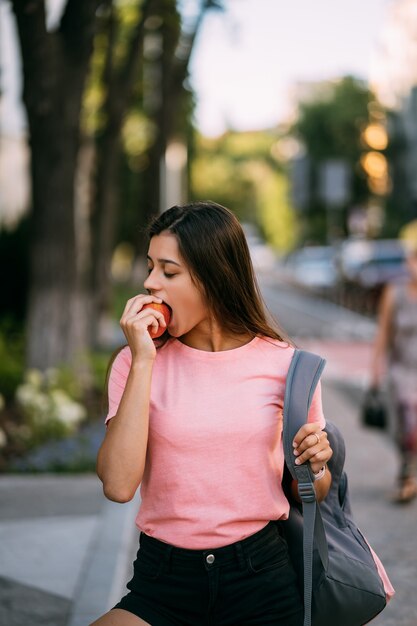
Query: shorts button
[(210, 559)]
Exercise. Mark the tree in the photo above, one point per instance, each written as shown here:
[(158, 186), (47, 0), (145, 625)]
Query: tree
[(154, 82), (239, 171), (55, 66), (174, 61), (71, 240), (330, 125), (119, 81)]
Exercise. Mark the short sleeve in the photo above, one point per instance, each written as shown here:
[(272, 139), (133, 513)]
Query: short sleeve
[(315, 413), (117, 380)]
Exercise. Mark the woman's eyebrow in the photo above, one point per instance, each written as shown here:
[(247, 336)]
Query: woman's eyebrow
[(163, 261)]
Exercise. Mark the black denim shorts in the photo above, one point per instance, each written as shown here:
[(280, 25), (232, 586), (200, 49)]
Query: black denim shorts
[(248, 583)]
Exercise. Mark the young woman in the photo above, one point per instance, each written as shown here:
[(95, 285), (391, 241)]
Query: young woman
[(195, 419), (396, 344)]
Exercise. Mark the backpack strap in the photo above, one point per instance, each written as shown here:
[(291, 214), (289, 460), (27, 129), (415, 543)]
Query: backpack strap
[(302, 378)]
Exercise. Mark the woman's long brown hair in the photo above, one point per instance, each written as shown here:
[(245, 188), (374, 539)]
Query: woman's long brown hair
[(213, 245)]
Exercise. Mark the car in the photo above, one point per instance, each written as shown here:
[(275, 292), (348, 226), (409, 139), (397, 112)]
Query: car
[(371, 263), (313, 267), (364, 268)]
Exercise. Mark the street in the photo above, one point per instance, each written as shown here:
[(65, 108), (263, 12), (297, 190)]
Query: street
[(344, 339)]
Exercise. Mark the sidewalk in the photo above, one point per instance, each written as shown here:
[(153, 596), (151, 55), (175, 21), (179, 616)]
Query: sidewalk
[(371, 465), (66, 552)]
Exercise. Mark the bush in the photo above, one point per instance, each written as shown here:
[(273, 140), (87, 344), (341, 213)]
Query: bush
[(50, 403), (40, 407)]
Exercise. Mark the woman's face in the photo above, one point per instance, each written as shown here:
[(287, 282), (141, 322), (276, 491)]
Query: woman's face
[(169, 278)]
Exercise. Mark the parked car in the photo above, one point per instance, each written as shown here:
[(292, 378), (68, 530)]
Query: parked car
[(365, 267), (371, 263), (313, 267)]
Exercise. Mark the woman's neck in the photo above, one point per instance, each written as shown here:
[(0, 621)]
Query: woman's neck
[(212, 338)]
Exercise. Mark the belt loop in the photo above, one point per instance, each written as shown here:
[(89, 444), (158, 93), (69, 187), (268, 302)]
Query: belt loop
[(167, 558), (240, 555)]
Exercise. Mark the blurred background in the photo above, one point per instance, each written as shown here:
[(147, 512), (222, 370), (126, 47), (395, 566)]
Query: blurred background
[(299, 116)]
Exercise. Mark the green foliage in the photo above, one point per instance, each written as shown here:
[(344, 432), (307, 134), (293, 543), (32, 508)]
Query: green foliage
[(314, 226), (277, 218), (121, 294), (11, 359), (116, 26), (237, 170), (219, 178), (36, 407), (331, 125), (136, 107), (248, 144), (99, 363)]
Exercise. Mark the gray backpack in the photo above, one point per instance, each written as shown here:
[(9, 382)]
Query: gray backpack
[(336, 570)]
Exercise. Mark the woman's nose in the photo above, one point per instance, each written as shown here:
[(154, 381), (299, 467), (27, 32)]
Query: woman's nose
[(151, 283)]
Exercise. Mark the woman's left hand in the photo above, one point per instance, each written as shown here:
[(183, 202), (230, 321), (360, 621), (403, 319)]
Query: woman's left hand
[(311, 444)]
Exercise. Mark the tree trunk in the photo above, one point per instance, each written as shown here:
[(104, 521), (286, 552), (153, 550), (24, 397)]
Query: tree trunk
[(120, 85), (105, 219), (52, 323), (173, 73), (55, 67)]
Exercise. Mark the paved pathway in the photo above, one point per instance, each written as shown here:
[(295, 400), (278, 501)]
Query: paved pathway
[(345, 360), (65, 551)]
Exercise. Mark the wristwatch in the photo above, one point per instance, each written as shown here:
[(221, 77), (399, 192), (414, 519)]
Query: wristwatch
[(320, 473)]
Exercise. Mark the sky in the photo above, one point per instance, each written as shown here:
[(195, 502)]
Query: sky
[(247, 60)]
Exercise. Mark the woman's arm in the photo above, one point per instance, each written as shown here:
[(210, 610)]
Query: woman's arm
[(381, 343), (122, 455)]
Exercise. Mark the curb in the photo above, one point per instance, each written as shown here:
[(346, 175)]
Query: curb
[(107, 562)]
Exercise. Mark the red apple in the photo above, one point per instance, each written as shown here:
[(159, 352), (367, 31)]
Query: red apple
[(162, 308)]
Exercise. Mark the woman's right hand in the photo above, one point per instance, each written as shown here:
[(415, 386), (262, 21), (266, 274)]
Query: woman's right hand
[(136, 324)]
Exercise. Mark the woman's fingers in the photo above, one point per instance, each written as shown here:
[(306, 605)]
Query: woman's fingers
[(311, 430), (311, 444), (140, 325), (136, 303), (151, 322), (145, 318)]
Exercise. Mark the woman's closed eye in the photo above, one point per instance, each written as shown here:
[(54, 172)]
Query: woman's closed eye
[(150, 269)]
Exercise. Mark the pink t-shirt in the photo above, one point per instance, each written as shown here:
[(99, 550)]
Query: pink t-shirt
[(215, 459)]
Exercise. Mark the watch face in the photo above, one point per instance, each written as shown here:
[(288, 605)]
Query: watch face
[(320, 473)]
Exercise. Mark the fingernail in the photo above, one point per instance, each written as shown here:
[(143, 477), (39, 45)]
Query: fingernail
[(297, 461), (296, 452), (294, 444)]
